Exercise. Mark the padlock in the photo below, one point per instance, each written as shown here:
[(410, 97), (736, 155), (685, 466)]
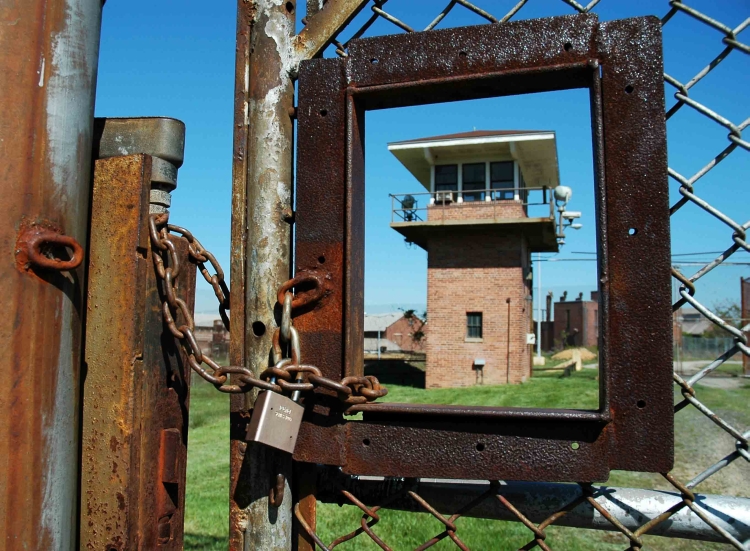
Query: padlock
[(276, 421)]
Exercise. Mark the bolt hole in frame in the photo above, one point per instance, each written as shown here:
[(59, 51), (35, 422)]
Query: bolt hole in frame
[(620, 64), (259, 328)]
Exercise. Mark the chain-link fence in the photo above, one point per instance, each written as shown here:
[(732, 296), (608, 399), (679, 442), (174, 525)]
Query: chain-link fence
[(703, 348), (745, 313), (632, 512)]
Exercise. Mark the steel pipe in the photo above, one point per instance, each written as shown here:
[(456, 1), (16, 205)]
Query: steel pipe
[(50, 51), (265, 96), (537, 501)]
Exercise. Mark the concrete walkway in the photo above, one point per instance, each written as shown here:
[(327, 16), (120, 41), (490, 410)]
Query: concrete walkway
[(716, 379)]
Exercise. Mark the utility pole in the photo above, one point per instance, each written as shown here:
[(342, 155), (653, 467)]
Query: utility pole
[(539, 306)]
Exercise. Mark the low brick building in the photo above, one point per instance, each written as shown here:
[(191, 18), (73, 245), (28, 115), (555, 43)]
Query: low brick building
[(476, 223), (577, 321), (211, 335), (408, 334)]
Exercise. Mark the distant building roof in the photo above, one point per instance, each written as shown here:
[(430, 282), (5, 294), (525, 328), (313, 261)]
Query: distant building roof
[(690, 314), (206, 319), (534, 150), (371, 345), (696, 327), (693, 322), (380, 322), (472, 134)]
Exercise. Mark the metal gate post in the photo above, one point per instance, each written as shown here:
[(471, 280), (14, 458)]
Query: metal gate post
[(137, 380), (47, 84), (261, 227), (268, 54)]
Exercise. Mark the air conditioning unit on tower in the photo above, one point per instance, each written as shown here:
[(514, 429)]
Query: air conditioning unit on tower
[(444, 197)]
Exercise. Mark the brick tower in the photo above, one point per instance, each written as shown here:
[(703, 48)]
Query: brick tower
[(488, 206)]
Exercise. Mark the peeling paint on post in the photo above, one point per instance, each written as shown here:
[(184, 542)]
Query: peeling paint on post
[(264, 137), (47, 86), (268, 55)]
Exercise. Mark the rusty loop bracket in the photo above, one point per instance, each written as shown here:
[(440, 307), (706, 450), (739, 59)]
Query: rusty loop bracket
[(276, 493), (35, 243), (306, 299)]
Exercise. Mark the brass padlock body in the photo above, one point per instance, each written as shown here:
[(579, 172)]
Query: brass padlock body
[(276, 421)]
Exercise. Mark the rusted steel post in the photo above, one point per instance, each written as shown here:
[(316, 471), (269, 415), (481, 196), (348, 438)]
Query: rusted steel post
[(50, 52), (137, 382), (268, 53), (265, 100)]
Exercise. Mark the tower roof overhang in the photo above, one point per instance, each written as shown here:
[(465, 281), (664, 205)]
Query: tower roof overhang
[(534, 150), (539, 232)]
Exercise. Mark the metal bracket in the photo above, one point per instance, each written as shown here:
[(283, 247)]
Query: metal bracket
[(620, 63)]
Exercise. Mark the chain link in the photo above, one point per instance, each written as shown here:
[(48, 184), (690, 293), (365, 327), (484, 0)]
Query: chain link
[(287, 374), (688, 287)]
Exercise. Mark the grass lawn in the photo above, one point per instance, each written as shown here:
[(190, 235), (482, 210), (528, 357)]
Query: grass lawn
[(728, 369), (207, 498), (698, 443)]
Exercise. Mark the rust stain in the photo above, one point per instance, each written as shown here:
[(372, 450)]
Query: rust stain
[(43, 326), (43, 246), (138, 380)]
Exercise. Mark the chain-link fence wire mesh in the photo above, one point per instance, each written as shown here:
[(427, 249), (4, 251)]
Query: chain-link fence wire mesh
[(701, 348), (727, 44)]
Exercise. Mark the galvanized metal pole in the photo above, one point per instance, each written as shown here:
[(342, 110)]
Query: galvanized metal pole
[(50, 51), (539, 307), (269, 99), (537, 501), (268, 54)]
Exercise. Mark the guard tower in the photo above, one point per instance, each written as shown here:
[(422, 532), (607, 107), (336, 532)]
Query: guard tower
[(488, 205)]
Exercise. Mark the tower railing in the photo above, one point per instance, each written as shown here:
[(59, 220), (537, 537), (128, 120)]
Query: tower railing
[(453, 204)]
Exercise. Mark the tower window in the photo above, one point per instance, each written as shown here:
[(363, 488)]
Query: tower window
[(446, 178), (474, 325), (502, 181), (473, 180)]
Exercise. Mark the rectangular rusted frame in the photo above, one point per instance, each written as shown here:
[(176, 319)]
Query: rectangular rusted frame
[(620, 63)]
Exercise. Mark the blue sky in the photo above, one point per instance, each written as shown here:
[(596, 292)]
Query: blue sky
[(177, 59)]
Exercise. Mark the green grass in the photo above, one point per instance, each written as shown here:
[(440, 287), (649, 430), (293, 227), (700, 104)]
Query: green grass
[(733, 369), (546, 389), (207, 497), (698, 442)]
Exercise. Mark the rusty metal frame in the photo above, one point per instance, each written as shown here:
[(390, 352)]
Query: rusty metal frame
[(136, 385), (620, 63)]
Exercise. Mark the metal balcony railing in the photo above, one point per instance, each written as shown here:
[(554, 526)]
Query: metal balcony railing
[(414, 207)]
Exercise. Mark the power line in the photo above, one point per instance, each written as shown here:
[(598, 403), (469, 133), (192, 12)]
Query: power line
[(677, 254), (675, 264), (696, 254), (704, 263)]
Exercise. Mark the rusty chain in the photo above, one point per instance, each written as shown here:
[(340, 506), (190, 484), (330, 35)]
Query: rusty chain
[(287, 374)]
